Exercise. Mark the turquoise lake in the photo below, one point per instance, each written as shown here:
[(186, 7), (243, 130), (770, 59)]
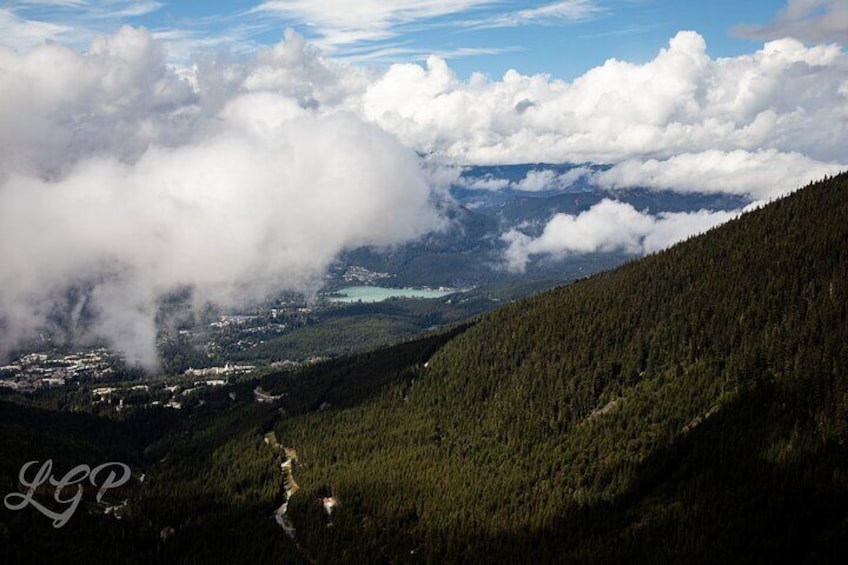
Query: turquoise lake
[(379, 293)]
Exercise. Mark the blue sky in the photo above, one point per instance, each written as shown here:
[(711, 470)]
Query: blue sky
[(563, 38)]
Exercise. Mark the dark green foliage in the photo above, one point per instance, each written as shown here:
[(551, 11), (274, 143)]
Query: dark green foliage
[(690, 406), (216, 484), (35, 434), (338, 335), (351, 380), (356, 327)]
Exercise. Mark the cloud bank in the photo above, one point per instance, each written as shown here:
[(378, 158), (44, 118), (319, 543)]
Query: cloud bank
[(761, 175), (785, 97), (122, 183)]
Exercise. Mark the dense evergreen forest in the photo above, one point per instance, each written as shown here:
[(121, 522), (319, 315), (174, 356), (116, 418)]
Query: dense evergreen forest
[(691, 406)]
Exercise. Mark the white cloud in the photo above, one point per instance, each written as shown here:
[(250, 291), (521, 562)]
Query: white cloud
[(554, 12), (118, 179), (57, 3), (761, 174), (389, 53), (672, 227), (75, 23), (607, 226), (132, 9), (26, 33), (546, 179), (815, 21), (785, 97), (487, 182), (369, 30), (339, 22), (60, 105), (535, 180)]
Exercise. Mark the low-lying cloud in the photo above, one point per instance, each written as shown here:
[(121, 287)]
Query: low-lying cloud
[(607, 226), (536, 180), (121, 187), (761, 175)]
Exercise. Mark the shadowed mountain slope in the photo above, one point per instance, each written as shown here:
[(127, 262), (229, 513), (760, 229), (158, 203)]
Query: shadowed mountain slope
[(690, 406)]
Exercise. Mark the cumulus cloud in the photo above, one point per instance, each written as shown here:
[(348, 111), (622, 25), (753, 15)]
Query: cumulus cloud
[(121, 183), (537, 180), (60, 105), (814, 21), (785, 97), (606, 227)]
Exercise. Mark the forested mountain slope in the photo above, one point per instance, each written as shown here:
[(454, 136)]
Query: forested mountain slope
[(690, 406)]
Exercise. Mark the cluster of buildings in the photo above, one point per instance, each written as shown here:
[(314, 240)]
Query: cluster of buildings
[(356, 274), (232, 320), (227, 369), (38, 370), (121, 397), (234, 332), (167, 396)]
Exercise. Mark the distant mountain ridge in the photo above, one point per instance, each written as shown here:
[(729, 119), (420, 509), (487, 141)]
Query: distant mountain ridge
[(470, 251)]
